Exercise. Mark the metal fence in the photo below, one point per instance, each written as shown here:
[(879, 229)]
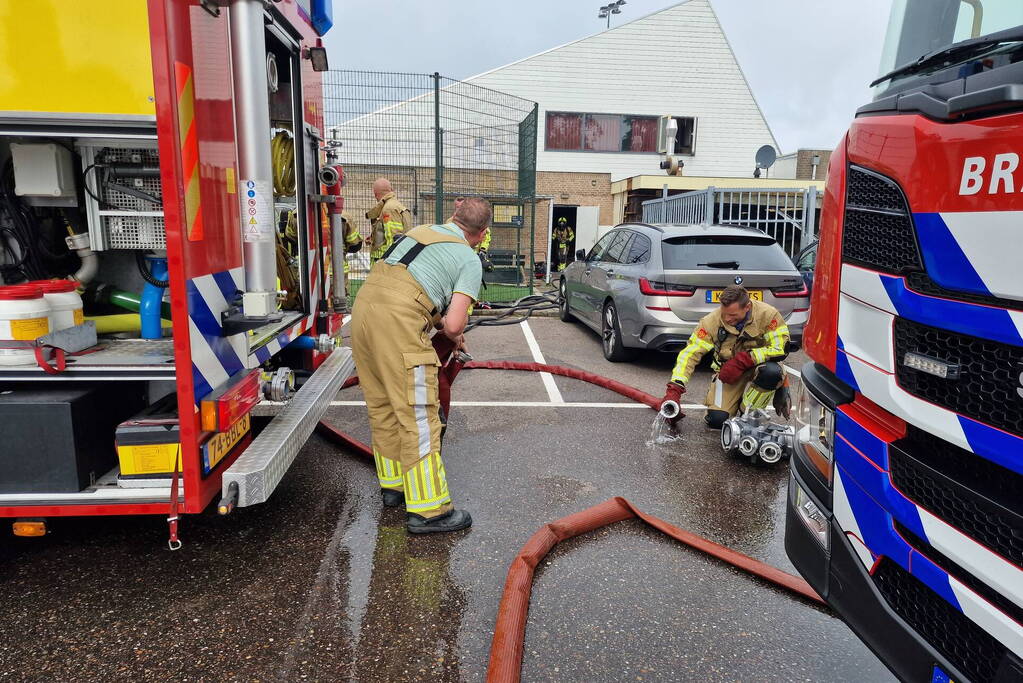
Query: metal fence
[(789, 215), (437, 139)]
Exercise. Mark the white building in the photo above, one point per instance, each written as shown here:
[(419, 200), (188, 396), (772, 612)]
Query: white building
[(600, 96), (600, 100)]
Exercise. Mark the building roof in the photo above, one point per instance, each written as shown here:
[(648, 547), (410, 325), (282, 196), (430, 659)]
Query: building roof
[(676, 61)]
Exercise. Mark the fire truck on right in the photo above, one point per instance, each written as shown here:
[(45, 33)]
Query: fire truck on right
[(905, 507)]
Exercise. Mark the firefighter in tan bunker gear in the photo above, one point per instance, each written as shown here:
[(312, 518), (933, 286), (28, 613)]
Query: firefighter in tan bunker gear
[(748, 339), (424, 281), (387, 219)]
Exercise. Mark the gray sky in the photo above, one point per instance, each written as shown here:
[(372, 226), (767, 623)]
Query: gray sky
[(808, 61)]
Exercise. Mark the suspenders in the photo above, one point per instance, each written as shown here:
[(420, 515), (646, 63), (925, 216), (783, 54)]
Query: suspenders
[(409, 256)]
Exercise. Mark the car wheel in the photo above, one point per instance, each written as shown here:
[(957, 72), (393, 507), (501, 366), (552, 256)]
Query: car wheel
[(611, 335), (563, 311)]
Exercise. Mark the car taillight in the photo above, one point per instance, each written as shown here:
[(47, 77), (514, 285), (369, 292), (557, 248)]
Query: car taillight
[(791, 293), (658, 288)]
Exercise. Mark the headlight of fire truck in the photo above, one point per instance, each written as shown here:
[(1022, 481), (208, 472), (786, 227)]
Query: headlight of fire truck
[(816, 435)]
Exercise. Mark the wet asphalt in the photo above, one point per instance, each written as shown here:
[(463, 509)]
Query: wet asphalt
[(321, 583)]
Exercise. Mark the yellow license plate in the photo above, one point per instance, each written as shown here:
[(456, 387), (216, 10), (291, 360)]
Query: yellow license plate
[(220, 444), (714, 295)]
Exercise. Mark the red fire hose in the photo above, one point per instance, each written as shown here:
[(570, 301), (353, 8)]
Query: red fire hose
[(615, 386), (510, 628)]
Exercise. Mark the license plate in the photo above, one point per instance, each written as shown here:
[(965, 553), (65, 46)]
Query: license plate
[(220, 444), (714, 295)]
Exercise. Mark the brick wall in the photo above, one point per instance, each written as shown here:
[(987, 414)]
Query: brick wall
[(804, 163), (573, 189)]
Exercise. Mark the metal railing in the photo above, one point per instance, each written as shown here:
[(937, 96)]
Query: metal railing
[(789, 215)]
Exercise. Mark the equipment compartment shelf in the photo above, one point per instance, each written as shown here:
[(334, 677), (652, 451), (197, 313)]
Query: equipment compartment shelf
[(116, 359)]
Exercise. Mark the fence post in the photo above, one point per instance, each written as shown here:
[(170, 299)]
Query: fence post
[(809, 217), (438, 154), (708, 215)]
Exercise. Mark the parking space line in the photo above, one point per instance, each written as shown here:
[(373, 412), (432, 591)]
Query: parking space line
[(548, 379)]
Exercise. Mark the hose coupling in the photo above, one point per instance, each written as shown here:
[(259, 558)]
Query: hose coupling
[(670, 410)]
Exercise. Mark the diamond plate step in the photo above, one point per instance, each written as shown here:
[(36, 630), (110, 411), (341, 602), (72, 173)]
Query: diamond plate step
[(262, 466)]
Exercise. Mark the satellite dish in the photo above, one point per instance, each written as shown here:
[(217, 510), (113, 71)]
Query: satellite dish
[(766, 156)]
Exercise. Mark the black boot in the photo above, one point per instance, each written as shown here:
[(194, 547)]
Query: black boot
[(392, 498), (449, 521)]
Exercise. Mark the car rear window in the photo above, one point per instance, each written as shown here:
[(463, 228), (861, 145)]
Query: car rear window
[(719, 253)]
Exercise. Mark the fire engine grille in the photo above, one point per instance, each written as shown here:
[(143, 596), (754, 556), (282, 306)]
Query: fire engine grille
[(878, 231), (873, 191), (965, 644), (964, 577), (988, 374), (978, 497), (123, 220)]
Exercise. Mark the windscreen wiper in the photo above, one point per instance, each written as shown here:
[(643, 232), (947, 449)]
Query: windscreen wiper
[(959, 52), (721, 264)]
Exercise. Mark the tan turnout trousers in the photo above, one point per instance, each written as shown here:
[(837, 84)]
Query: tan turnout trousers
[(391, 323), (741, 396)]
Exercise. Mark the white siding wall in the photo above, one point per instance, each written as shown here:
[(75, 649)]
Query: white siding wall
[(676, 61)]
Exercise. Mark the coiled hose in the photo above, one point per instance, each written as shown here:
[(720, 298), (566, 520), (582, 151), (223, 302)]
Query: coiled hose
[(282, 153), (517, 311)]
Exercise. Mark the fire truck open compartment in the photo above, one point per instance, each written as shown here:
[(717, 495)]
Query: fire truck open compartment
[(140, 198)]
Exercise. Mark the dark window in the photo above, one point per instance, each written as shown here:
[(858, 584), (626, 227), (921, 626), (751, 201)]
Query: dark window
[(616, 248), (639, 250), (719, 253), (613, 133), (564, 131), (807, 260), (599, 247), (685, 138)]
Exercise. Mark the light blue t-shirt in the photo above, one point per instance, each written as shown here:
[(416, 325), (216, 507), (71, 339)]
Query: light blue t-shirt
[(445, 268)]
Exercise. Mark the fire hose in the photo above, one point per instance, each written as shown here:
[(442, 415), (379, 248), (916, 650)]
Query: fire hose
[(510, 628)]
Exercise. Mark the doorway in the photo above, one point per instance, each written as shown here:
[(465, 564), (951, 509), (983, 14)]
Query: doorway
[(561, 256)]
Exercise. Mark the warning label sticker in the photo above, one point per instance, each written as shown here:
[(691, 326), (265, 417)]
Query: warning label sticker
[(28, 329), (257, 210)]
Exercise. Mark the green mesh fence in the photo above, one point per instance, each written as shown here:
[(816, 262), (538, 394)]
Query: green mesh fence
[(437, 139)]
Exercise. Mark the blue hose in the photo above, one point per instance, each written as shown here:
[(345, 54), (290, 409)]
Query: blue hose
[(152, 300), (303, 342)]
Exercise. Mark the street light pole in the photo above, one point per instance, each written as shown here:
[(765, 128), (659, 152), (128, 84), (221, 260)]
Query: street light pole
[(607, 10)]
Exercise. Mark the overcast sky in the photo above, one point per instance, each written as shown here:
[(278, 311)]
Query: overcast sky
[(808, 62)]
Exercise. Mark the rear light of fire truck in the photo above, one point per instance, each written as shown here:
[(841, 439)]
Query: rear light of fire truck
[(224, 407), (29, 527), (816, 435)]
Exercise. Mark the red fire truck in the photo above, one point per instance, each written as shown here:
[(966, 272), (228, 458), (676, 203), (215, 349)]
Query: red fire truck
[(167, 157), (906, 497)]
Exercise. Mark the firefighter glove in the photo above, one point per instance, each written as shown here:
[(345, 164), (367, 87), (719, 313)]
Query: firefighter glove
[(673, 392), (735, 366)]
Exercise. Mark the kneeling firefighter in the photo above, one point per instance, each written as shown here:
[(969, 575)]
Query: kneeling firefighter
[(424, 281), (748, 339)]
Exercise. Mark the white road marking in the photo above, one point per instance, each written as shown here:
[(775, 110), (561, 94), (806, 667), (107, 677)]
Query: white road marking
[(792, 371), (520, 404), (548, 378)]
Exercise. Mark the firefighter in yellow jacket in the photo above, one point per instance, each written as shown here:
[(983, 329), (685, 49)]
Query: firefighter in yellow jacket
[(748, 339), (388, 218), (426, 280), (563, 236)]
